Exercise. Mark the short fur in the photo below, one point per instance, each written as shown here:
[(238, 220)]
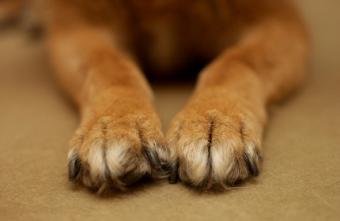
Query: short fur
[(256, 50)]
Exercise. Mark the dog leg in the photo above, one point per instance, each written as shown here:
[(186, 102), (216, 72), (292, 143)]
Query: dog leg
[(119, 139), (216, 138)]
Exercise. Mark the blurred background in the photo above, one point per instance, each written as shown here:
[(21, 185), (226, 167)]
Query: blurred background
[(301, 177)]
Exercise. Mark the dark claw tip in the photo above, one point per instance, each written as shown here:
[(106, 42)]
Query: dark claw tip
[(153, 159), (173, 178), (74, 167), (251, 165)]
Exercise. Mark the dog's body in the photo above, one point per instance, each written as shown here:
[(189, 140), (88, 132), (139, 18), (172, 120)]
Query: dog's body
[(257, 51)]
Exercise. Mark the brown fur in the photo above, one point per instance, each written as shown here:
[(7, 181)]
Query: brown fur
[(256, 50)]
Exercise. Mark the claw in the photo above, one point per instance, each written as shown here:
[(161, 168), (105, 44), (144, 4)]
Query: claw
[(131, 178), (251, 165), (173, 178), (152, 156), (160, 169), (74, 167)]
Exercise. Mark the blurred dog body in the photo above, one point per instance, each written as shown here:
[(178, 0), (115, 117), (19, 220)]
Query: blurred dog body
[(256, 52)]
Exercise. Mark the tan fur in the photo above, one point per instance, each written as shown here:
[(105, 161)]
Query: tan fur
[(10, 10), (257, 51)]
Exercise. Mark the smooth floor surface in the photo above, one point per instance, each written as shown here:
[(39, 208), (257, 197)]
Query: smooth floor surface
[(301, 176)]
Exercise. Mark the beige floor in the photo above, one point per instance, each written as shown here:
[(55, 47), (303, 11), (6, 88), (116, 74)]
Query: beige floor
[(301, 177)]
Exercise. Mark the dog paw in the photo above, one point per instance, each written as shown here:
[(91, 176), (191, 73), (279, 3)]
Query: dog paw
[(111, 153), (215, 148)]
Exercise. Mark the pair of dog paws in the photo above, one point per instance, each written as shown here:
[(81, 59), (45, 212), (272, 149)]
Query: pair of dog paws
[(206, 148)]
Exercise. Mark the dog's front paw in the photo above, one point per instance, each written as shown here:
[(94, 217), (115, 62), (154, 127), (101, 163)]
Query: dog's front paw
[(215, 148), (113, 152)]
